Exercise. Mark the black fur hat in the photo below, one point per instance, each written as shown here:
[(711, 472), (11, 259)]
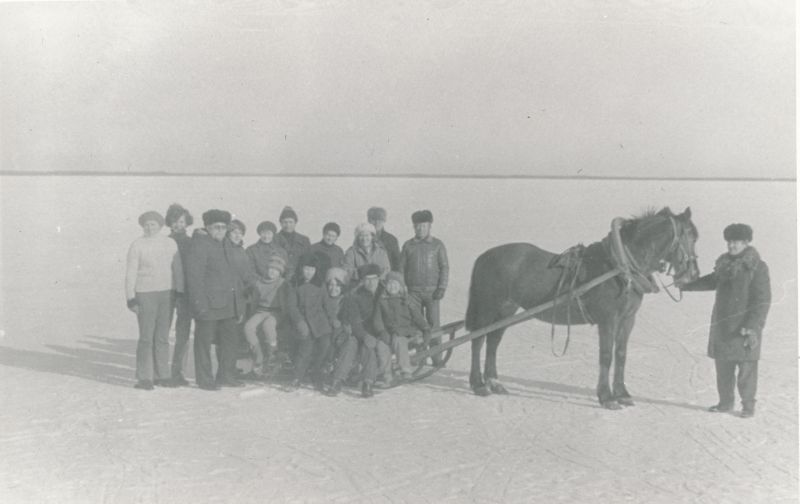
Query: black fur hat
[(421, 216), (738, 231), (308, 259), (267, 226), (369, 270), (215, 216)]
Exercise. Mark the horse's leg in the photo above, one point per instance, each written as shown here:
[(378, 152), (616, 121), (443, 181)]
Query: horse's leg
[(621, 394), (606, 330), (492, 342), (475, 376)]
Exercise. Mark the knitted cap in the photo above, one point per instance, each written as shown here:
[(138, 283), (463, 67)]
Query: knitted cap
[(365, 227), (151, 215), (236, 223), (276, 262), (421, 216), (288, 213), (337, 274), (266, 225), (369, 270), (376, 213)]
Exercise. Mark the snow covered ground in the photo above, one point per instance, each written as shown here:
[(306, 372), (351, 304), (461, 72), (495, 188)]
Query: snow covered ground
[(72, 428)]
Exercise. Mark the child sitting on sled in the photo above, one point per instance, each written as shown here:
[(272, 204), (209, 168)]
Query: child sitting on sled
[(399, 322), (271, 297)]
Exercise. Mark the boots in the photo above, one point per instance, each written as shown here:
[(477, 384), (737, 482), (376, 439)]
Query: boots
[(334, 389), (748, 410), (366, 389)]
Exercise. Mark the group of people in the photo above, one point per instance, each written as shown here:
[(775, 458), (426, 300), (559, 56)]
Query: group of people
[(356, 312), (332, 314)]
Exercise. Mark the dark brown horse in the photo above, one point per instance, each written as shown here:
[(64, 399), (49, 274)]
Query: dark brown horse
[(516, 275)]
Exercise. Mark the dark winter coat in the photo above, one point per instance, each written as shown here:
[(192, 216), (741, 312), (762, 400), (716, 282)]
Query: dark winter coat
[(184, 242), (295, 245), (212, 280), (424, 265), (246, 275), (743, 297), (392, 246), (359, 309), (398, 315), (306, 304), (330, 256), (260, 254)]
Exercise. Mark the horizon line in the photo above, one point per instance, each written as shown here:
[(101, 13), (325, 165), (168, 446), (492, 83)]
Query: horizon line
[(80, 173)]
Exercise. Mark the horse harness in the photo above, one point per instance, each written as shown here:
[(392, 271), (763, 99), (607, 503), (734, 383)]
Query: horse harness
[(571, 262)]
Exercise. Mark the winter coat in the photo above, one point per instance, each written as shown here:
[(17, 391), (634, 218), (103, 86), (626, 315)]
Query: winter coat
[(184, 242), (246, 275), (424, 265), (330, 256), (295, 245), (398, 315), (306, 304), (212, 280), (356, 256), (271, 295), (392, 246), (742, 300), (359, 310), (260, 253)]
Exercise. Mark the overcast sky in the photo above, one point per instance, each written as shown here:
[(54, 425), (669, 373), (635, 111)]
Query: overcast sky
[(616, 88)]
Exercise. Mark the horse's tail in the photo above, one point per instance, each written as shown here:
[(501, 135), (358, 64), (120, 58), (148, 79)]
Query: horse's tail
[(478, 300)]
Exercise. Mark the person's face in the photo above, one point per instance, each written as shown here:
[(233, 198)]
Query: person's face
[(378, 223), (266, 236), (151, 228), (365, 240), (736, 247), (393, 287), (422, 229), (308, 273), (288, 224), (217, 230), (273, 273), (371, 283), (179, 226), (236, 235), (334, 289), (330, 237)]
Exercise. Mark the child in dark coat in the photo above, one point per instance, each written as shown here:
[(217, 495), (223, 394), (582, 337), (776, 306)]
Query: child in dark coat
[(306, 309), (399, 321)]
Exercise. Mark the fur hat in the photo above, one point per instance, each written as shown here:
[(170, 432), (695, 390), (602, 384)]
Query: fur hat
[(332, 226), (376, 213), (365, 227), (236, 223), (421, 216), (151, 215), (337, 274), (174, 213), (266, 225), (308, 259), (215, 216), (369, 270), (288, 213), (738, 232), (276, 262)]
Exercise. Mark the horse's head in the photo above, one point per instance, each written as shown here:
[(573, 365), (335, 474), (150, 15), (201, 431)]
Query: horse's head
[(680, 258)]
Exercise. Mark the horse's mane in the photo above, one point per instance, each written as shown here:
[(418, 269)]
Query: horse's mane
[(642, 222)]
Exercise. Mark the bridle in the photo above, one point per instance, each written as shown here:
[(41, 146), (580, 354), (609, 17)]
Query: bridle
[(678, 248)]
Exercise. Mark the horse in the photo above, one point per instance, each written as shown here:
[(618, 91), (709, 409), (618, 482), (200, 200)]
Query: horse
[(522, 275)]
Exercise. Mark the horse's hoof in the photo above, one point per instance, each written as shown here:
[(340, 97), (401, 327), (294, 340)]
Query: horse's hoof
[(497, 388), (482, 391), (610, 405), (625, 401)]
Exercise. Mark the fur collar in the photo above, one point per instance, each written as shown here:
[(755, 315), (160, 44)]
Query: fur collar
[(728, 266)]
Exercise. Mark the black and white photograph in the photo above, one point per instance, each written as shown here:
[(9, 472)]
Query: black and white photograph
[(434, 251)]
